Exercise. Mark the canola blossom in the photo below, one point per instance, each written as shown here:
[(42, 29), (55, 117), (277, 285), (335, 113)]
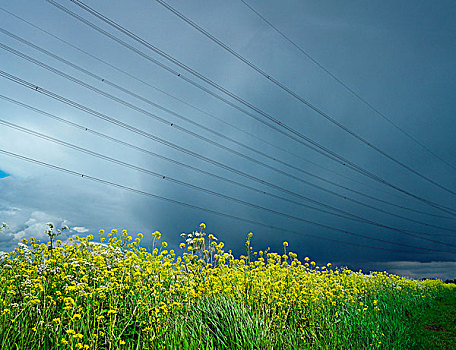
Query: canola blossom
[(115, 294)]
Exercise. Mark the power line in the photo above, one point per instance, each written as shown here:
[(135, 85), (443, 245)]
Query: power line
[(220, 119), (96, 133), (129, 92), (350, 216), (186, 103), (216, 212), (282, 127), (199, 86), (88, 110), (215, 117), (287, 90), (194, 187), (106, 182), (197, 108), (145, 134), (172, 124), (348, 88), (218, 194)]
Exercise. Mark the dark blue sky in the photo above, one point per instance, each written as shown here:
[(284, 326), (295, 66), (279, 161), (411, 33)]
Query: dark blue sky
[(399, 56)]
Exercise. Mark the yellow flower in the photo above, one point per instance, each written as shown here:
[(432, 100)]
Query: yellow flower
[(121, 342), (285, 244), (164, 244), (56, 320), (140, 235), (203, 225)]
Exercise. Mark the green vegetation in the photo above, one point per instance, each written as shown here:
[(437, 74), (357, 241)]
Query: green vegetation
[(434, 326), (116, 295)]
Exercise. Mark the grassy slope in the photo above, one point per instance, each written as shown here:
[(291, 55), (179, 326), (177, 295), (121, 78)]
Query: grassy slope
[(435, 327)]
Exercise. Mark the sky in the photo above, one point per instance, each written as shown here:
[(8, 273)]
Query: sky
[(177, 150)]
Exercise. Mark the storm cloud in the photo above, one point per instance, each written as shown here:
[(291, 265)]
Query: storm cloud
[(399, 56)]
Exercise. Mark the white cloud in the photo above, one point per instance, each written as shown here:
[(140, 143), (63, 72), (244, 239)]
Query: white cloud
[(9, 211), (417, 270), (36, 225), (80, 229)]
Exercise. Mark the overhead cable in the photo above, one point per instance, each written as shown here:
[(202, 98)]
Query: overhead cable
[(348, 88), (295, 135), (281, 229), (344, 214), (292, 93), (218, 194), (90, 111), (191, 121)]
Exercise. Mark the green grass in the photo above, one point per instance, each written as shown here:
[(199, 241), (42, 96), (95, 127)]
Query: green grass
[(434, 326)]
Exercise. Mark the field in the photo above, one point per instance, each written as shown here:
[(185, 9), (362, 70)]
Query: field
[(116, 295)]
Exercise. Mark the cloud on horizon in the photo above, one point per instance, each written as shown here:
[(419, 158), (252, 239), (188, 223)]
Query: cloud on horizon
[(416, 270)]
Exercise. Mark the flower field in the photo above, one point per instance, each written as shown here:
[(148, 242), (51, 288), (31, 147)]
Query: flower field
[(117, 295)]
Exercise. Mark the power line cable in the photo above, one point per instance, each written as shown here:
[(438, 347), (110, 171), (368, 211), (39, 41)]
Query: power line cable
[(197, 108), (129, 92), (72, 103), (145, 134), (150, 153), (113, 184), (290, 92), (154, 116), (148, 101), (219, 119), (346, 216), (195, 187), (282, 127), (199, 86), (348, 88)]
